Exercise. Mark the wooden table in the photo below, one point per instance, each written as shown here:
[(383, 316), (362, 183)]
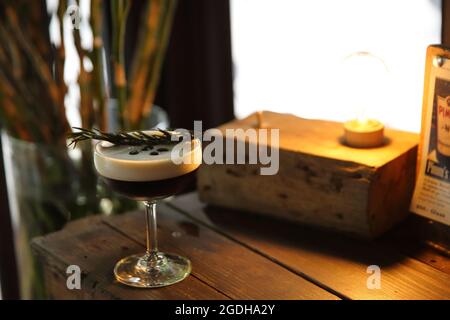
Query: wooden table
[(242, 256)]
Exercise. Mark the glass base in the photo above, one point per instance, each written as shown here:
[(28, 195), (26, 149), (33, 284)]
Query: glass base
[(152, 270)]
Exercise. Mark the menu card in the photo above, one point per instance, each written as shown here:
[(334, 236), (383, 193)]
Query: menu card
[(432, 192)]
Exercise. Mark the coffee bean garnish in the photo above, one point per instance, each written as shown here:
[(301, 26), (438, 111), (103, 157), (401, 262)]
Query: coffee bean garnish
[(162, 149), (147, 148), (154, 153), (133, 152)]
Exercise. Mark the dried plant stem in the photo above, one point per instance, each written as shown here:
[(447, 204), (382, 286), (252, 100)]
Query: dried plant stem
[(41, 69), (84, 81), (60, 55), (33, 67), (96, 56), (39, 64), (36, 27), (12, 104), (15, 90), (120, 10), (142, 62), (155, 70)]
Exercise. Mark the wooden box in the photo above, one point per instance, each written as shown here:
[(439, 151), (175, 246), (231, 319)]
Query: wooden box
[(321, 181)]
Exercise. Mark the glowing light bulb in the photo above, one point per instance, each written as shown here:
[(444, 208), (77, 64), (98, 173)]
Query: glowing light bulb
[(365, 79)]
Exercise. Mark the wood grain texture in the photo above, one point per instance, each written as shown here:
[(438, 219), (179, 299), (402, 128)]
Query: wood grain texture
[(233, 269), (335, 261), (95, 247), (320, 180), (413, 238)]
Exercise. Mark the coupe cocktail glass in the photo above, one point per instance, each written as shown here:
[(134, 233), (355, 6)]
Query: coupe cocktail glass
[(149, 174)]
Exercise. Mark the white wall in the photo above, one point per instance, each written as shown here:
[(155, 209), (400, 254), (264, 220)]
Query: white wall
[(288, 55)]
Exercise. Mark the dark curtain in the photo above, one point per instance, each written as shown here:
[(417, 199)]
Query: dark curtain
[(196, 83), (445, 23)]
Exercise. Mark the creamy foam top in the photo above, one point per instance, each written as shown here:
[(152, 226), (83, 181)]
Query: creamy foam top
[(140, 163)]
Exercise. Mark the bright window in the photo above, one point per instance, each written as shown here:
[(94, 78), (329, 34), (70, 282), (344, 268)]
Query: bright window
[(289, 54)]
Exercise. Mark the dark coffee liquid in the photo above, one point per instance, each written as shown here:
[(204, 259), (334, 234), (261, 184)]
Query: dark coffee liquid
[(146, 190)]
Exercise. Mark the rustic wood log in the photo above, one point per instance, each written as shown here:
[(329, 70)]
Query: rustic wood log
[(321, 181)]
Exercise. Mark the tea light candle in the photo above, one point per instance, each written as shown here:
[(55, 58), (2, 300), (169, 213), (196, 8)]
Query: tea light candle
[(364, 133)]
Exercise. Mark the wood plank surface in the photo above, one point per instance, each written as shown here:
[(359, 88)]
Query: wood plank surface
[(336, 262), (95, 247), (413, 238), (233, 269)]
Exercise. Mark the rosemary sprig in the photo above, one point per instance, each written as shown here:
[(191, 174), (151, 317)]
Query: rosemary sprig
[(135, 138)]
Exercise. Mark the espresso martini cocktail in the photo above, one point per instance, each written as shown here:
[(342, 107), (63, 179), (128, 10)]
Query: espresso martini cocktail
[(149, 172)]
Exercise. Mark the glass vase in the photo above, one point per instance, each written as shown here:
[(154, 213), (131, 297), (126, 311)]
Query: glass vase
[(48, 186)]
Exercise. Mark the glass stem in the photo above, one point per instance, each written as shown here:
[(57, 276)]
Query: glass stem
[(150, 223)]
